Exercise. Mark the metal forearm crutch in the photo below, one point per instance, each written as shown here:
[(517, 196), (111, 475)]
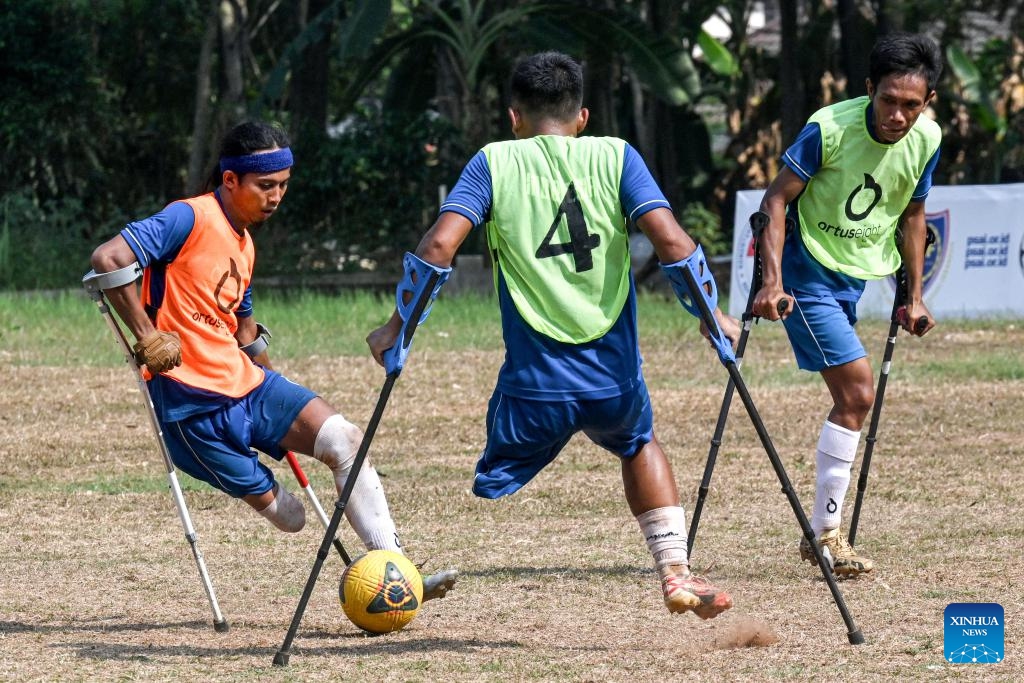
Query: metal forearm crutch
[(95, 283), (699, 298), (422, 291), (758, 222), (899, 304)]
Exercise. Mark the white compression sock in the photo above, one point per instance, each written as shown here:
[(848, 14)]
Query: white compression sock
[(285, 511), (367, 510), (664, 529), (837, 447)]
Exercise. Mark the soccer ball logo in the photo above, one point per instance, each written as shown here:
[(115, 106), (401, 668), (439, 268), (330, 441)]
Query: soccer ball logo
[(381, 591)]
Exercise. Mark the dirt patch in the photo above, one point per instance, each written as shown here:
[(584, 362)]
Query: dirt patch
[(745, 632), (98, 582)]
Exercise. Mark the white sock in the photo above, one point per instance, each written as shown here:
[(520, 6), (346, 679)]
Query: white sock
[(837, 447), (664, 529), (367, 509)]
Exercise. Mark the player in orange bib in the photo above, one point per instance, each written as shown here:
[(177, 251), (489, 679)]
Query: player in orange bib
[(215, 393)]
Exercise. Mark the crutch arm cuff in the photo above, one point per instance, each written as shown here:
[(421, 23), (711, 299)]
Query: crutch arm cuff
[(259, 344), (420, 282), (96, 283), (693, 281)]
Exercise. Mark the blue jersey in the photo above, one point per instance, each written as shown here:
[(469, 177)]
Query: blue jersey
[(539, 367), (800, 270)]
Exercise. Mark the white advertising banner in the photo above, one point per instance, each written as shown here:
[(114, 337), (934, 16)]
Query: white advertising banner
[(973, 268)]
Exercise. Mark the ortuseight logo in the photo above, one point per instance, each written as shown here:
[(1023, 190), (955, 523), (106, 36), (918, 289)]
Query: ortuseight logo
[(973, 633)]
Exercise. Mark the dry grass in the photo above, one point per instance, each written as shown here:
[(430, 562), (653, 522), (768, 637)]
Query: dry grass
[(99, 584)]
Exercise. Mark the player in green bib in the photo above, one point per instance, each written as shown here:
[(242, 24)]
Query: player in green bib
[(858, 171), (556, 209)]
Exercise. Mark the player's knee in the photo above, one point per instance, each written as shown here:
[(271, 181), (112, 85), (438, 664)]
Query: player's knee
[(285, 512), (856, 401), (863, 397), (336, 443)]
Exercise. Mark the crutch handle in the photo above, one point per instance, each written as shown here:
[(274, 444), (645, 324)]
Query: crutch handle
[(919, 327), (781, 307)]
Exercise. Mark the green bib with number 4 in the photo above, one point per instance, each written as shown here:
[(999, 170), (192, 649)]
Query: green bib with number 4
[(558, 233)]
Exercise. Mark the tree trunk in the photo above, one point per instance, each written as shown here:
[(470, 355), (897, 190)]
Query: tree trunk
[(449, 86), (641, 130), (790, 82), (663, 18), (233, 14), (853, 30), (307, 93), (601, 83), (598, 92), (203, 112)]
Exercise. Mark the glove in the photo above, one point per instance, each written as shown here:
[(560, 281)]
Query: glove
[(159, 351)]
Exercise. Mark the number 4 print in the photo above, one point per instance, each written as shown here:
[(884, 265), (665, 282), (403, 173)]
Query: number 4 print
[(580, 243)]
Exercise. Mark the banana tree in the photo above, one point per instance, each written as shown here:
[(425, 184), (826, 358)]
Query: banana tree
[(467, 31), (987, 96)]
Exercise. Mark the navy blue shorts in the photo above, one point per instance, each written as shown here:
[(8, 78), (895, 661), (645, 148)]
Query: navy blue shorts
[(524, 436), (821, 331), (216, 447)]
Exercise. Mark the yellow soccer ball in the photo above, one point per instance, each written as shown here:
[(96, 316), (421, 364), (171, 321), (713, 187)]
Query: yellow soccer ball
[(381, 591)]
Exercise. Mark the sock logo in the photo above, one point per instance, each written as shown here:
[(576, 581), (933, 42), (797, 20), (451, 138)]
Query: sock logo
[(973, 633), (832, 506)]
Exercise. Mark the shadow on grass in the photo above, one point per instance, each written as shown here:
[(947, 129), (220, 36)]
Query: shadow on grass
[(99, 625), (575, 572), (352, 645)]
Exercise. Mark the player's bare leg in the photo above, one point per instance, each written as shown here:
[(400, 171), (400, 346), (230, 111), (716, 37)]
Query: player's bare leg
[(653, 498)]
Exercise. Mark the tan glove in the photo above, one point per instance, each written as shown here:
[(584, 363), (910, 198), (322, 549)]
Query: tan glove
[(159, 351)]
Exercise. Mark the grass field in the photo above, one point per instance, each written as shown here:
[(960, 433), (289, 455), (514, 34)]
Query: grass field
[(557, 585)]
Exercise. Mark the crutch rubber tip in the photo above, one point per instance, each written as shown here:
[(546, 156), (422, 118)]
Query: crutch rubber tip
[(281, 659), (221, 626), (856, 637)]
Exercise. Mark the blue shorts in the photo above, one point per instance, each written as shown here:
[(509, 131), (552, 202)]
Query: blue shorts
[(216, 447), (821, 331), (524, 435)]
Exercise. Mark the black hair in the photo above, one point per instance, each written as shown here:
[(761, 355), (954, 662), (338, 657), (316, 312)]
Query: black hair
[(905, 53), (548, 85), (245, 138)]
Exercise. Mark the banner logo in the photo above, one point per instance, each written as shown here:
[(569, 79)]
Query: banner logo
[(1022, 255), (973, 633), (937, 225)]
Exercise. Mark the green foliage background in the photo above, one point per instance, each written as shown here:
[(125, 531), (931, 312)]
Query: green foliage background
[(100, 108)]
